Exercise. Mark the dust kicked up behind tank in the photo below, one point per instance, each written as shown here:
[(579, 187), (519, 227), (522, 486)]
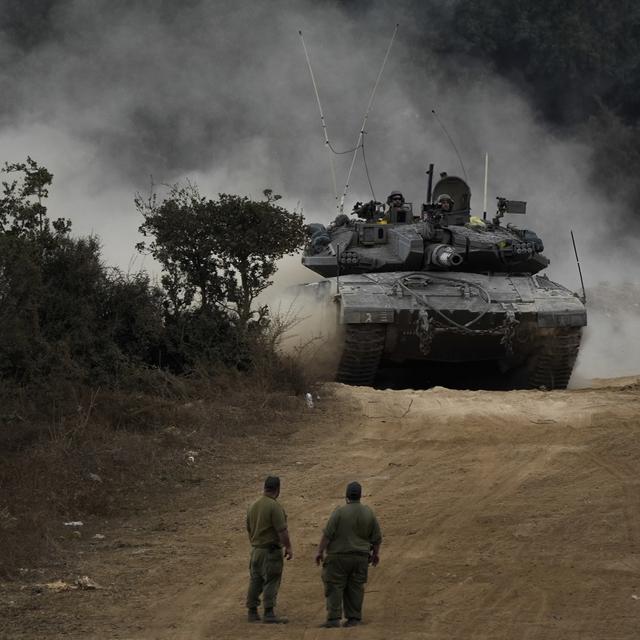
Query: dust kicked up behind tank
[(438, 286)]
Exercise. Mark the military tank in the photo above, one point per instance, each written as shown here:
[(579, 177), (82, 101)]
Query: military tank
[(439, 286)]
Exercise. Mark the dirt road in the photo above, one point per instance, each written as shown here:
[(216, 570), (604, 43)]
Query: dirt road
[(505, 515)]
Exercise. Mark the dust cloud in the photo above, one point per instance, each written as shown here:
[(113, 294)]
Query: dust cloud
[(112, 93), (610, 344)]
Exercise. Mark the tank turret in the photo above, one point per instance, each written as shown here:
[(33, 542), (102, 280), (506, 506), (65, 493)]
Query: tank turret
[(396, 239)]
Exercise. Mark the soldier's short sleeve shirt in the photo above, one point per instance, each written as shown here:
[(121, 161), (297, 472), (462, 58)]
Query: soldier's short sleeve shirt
[(352, 528), (265, 518)]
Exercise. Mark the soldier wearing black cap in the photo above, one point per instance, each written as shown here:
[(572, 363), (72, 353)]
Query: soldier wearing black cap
[(268, 534), (351, 539)]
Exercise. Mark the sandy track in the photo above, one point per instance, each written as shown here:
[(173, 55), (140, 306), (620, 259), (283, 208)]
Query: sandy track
[(505, 515)]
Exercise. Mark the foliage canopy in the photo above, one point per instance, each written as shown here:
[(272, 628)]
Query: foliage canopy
[(218, 255), (65, 315)]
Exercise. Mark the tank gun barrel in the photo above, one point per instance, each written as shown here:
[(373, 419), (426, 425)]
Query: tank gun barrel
[(444, 255)]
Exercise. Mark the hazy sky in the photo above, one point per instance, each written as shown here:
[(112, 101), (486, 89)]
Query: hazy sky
[(219, 93)]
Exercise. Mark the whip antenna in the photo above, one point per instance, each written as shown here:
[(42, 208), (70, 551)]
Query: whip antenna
[(584, 295), (453, 144), (364, 121), (322, 121), (486, 179)]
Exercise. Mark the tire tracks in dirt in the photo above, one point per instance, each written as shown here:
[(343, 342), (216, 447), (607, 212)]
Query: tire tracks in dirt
[(505, 515)]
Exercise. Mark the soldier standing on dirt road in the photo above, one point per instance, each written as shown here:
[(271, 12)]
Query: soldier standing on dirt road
[(267, 529), (352, 540)]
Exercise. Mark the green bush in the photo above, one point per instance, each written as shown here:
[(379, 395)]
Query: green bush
[(66, 316)]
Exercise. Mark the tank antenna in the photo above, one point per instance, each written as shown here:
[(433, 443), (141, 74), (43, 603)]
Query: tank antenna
[(364, 121), (486, 179), (429, 183), (575, 250), (453, 144), (322, 121)]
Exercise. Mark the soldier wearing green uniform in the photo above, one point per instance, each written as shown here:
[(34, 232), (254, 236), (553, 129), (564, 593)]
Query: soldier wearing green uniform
[(268, 534), (352, 541)]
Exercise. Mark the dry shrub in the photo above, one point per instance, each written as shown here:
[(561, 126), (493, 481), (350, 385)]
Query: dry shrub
[(300, 349), (98, 452), (82, 467)]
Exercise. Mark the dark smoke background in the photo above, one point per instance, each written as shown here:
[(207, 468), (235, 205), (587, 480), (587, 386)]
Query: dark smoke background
[(107, 94)]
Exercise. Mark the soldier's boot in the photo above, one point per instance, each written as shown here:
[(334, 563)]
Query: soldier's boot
[(271, 618), (253, 615), (330, 624), (352, 622)]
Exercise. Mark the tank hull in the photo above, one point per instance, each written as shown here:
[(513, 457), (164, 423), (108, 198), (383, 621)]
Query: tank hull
[(527, 324)]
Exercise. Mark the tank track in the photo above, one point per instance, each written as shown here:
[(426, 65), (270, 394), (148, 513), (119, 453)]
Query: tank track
[(363, 346), (552, 366)]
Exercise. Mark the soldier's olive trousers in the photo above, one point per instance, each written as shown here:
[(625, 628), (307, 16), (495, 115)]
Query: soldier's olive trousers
[(344, 576), (265, 571)]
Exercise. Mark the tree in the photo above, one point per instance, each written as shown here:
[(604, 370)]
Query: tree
[(63, 314), (218, 255), (25, 239), (22, 212), (570, 56)]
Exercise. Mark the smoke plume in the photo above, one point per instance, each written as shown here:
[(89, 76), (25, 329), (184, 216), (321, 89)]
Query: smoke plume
[(111, 95)]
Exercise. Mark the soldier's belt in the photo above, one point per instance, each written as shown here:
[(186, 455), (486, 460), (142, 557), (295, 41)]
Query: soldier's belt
[(270, 547)]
